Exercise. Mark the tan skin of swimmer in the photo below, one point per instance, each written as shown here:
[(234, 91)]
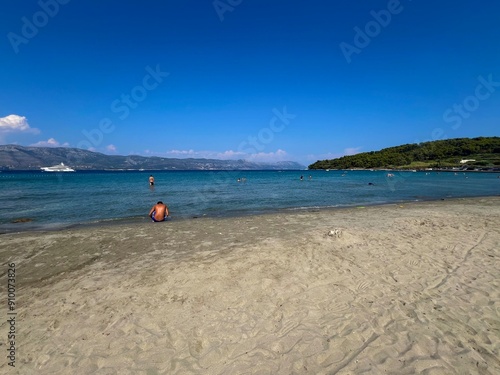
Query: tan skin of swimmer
[(160, 210)]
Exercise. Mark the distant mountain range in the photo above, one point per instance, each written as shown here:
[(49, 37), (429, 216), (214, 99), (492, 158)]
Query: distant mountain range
[(13, 157)]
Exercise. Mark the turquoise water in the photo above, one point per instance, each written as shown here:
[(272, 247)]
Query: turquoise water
[(55, 200)]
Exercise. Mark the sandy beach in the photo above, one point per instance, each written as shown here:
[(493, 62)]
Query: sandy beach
[(394, 289)]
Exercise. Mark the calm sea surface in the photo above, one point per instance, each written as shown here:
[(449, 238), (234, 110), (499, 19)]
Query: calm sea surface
[(56, 200)]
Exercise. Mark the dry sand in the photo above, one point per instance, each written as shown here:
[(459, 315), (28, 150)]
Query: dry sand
[(396, 289)]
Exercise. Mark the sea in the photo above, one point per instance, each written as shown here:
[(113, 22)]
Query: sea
[(52, 201)]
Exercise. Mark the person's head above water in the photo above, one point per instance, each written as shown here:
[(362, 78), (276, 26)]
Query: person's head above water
[(160, 202)]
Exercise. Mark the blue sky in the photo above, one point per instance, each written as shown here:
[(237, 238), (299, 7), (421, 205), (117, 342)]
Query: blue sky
[(240, 79)]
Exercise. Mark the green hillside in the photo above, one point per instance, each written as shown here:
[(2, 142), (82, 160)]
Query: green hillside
[(436, 154)]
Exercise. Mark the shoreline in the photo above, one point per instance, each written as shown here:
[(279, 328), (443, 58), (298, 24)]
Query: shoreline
[(409, 169), (136, 220), (399, 288)]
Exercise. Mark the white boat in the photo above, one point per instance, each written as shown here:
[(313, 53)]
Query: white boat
[(58, 168)]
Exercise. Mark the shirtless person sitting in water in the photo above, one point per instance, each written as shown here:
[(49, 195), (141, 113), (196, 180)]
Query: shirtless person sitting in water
[(159, 212)]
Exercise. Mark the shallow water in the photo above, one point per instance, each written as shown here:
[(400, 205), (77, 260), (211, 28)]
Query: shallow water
[(54, 200)]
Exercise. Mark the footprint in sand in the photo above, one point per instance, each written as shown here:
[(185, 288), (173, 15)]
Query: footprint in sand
[(339, 307), (363, 285), (414, 263)]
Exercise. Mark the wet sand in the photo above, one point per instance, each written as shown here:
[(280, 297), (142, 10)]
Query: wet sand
[(395, 289)]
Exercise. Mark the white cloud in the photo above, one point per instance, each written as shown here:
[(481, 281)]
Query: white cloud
[(198, 154), (229, 154), (279, 155), (178, 153), (16, 124), (51, 142), (111, 148)]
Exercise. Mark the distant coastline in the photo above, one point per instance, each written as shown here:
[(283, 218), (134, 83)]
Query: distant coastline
[(14, 157), (479, 154)]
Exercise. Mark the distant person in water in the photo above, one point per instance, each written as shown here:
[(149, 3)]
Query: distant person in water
[(159, 212), (151, 180)]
